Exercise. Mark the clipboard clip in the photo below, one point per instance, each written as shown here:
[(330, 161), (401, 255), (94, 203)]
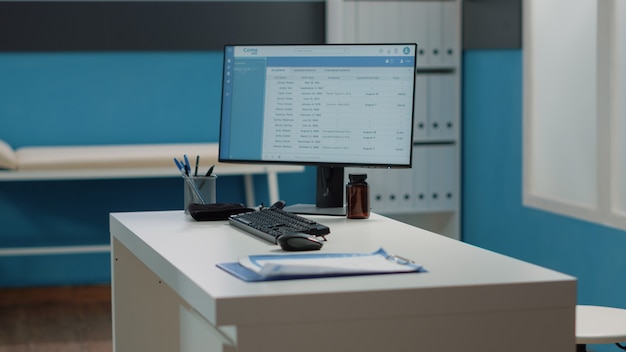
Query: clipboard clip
[(400, 260)]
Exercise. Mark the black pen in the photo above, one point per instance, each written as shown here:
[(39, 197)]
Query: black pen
[(197, 162), (208, 173)]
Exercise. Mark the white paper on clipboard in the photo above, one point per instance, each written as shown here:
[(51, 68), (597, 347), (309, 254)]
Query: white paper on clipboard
[(320, 264)]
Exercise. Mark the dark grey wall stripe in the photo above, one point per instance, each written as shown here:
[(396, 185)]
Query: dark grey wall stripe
[(144, 25), (196, 25), (492, 24)]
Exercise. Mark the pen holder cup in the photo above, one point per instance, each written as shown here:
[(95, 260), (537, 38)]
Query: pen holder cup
[(206, 187)]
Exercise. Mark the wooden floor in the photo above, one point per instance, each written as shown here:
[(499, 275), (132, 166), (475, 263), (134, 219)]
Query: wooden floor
[(55, 319)]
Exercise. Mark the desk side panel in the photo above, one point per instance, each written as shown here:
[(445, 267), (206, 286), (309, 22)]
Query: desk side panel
[(145, 310), (148, 315)]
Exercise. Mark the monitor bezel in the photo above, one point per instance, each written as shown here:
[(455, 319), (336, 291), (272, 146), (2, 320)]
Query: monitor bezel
[(331, 164)]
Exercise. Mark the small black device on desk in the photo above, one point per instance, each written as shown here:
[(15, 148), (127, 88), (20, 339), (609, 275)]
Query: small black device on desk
[(292, 232)]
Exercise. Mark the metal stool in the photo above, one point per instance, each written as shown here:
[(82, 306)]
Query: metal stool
[(599, 325)]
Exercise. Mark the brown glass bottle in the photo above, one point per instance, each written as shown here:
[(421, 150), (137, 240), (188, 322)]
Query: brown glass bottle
[(358, 197)]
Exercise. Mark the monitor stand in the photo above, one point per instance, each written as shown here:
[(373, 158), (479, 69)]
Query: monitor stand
[(330, 189), (312, 209)]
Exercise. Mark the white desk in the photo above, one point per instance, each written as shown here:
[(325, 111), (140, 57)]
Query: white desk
[(168, 295)]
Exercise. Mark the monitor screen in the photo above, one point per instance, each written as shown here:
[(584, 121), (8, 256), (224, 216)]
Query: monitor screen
[(332, 106)]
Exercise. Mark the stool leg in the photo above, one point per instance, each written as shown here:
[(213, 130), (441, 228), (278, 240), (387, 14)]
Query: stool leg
[(581, 348)]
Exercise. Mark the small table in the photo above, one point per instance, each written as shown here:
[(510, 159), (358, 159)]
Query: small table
[(599, 325)]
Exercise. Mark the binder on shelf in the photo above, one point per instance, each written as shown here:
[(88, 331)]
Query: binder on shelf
[(390, 186), (449, 113), (435, 36), (437, 104), (347, 13), (315, 265), (442, 178), (374, 26), (406, 199), (415, 17), (379, 190), (389, 189), (451, 32), (413, 27), (420, 177), (420, 111), (443, 100)]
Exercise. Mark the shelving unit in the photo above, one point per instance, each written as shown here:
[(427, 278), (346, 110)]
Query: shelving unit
[(428, 194)]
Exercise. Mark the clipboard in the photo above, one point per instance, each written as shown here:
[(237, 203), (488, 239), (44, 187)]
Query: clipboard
[(317, 265)]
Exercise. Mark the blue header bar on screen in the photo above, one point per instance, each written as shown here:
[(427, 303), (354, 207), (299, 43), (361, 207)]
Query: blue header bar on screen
[(330, 61), (328, 55)]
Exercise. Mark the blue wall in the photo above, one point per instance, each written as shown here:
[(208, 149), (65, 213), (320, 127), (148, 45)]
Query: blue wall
[(104, 98), (91, 98), (493, 214)]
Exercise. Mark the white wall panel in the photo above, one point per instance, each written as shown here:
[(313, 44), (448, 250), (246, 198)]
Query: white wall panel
[(561, 105), (574, 119), (619, 106)]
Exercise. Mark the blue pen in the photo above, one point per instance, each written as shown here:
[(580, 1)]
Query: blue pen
[(187, 165), (189, 182)]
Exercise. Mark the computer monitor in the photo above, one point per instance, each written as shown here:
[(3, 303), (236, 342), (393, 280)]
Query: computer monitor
[(330, 106)]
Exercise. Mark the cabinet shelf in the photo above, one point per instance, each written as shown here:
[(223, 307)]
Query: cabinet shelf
[(427, 195)]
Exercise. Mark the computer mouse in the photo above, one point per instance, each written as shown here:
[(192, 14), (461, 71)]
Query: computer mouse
[(279, 204), (299, 242)]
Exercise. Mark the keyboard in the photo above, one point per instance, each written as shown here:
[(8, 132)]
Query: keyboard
[(273, 222)]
